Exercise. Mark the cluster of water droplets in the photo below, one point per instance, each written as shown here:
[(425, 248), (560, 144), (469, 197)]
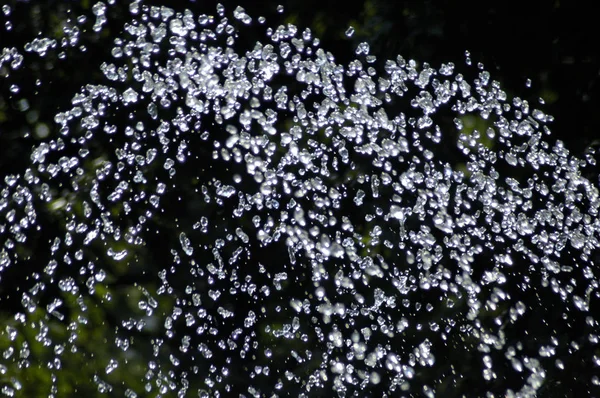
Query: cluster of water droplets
[(324, 240)]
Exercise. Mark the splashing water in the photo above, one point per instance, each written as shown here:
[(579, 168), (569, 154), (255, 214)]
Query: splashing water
[(266, 221)]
